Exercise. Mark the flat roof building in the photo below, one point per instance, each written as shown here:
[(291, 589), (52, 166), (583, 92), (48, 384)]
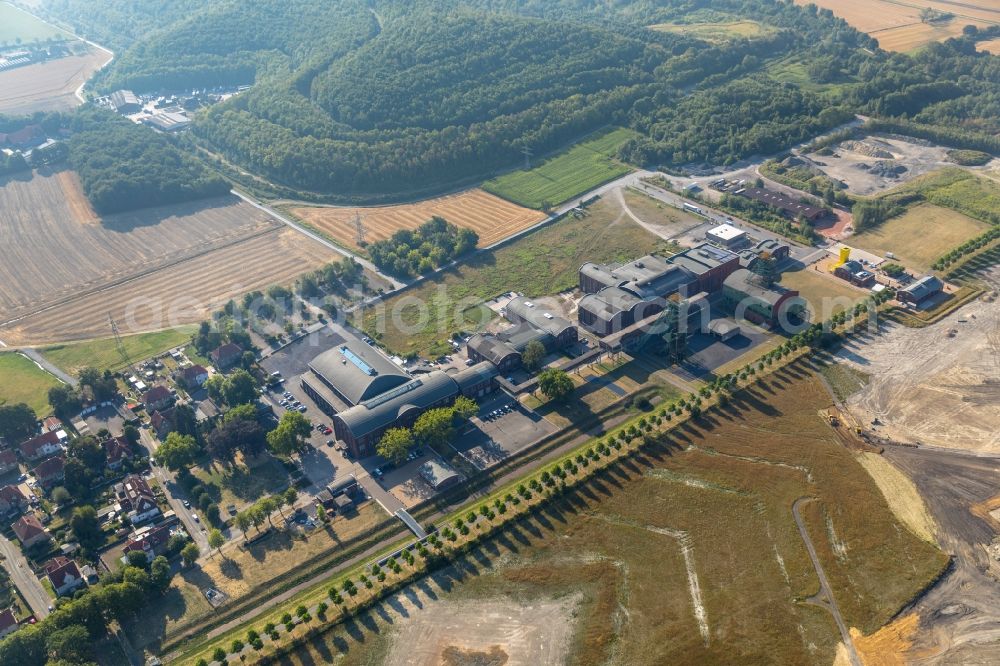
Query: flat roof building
[(757, 303), (727, 236), (708, 265)]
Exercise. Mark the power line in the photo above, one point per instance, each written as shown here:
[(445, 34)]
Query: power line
[(526, 151), (119, 344)]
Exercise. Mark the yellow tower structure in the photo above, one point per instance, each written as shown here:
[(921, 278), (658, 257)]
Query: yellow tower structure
[(845, 254)]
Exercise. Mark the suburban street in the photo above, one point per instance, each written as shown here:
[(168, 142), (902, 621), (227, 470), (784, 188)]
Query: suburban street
[(170, 490), (24, 578)]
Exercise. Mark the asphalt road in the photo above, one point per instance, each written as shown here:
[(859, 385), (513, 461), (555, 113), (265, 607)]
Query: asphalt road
[(825, 596), (23, 577), (169, 484)]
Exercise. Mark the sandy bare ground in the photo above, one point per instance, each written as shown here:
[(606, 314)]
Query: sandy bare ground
[(464, 633), (933, 389), (48, 86), (843, 164), (900, 494), (960, 616)]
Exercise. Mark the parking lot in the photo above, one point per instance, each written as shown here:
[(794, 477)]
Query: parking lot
[(497, 436), (707, 353)]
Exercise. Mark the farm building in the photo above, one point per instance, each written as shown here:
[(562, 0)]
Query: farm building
[(921, 290), (125, 102), (760, 304), (786, 205), (727, 236), (438, 475)]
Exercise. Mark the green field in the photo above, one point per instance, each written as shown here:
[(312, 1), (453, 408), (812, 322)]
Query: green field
[(825, 294), (546, 261), (103, 353), (583, 167), (717, 33), (920, 235), (18, 27), (793, 70), (23, 381)]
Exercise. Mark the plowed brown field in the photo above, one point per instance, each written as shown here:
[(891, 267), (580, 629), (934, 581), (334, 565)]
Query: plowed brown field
[(48, 86), (63, 269), (491, 217), (897, 26)]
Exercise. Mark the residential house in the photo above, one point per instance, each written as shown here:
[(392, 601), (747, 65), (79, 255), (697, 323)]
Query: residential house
[(52, 424), (8, 623), (136, 500), (194, 376), (30, 531), (26, 137), (50, 473), (152, 541), (163, 422), (8, 461), (117, 450), (64, 575), (227, 356), (12, 500), (158, 398), (42, 446)]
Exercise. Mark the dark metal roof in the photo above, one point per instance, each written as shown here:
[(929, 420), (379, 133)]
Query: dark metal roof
[(524, 309), (357, 372), (383, 410), (481, 372), (492, 348), (741, 280)]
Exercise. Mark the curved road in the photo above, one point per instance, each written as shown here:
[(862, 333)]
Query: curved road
[(824, 597)]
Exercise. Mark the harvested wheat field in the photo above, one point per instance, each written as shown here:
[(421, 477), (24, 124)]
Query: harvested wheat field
[(897, 25), (493, 218), (63, 268), (990, 46), (48, 86)]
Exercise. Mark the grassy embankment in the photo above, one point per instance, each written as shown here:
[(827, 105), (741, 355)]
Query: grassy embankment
[(102, 353), (571, 173), (21, 380)]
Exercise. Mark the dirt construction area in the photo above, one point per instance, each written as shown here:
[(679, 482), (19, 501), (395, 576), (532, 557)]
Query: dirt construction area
[(48, 86), (934, 389), (959, 618), (490, 632), (877, 163), (493, 218), (63, 269)]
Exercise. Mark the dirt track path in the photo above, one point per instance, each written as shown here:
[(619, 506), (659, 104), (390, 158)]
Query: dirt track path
[(824, 598)]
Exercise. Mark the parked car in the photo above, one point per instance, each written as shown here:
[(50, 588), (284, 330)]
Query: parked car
[(302, 408)]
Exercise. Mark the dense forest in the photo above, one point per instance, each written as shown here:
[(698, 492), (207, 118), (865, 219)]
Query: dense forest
[(370, 99), (123, 166)]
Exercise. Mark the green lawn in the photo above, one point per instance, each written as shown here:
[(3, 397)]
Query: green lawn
[(17, 27), (922, 234), (583, 167), (825, 294), (103, 353), (23, 381)]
